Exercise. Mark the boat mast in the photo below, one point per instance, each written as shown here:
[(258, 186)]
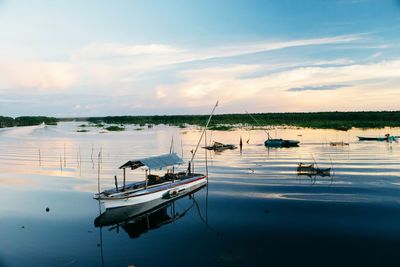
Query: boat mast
[(251, 116), (202, 134)]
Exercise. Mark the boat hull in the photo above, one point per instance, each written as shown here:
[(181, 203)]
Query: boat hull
[(362, 138), (379, 138), (165, 191), (123, 214)]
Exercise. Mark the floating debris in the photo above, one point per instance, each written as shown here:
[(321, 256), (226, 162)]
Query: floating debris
[(309, 169)]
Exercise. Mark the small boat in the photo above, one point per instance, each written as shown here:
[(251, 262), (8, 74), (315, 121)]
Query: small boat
[(276, 142), (281, 143), (155, 187), (217, 146), (387, 137), (168, 186), (338, 144), (311, 170)]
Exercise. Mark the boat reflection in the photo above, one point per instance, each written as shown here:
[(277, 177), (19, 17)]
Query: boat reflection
[(139, 219)]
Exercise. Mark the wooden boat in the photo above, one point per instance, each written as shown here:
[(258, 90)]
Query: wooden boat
[(168, 186), (310, 169), (281, 143), (338, 144), (217, 146)]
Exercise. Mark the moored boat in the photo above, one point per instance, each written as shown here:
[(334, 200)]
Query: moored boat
[(281, 143), (270, 142), (310, 169), (217, 146), (338, 144), (168, 186), (387, 137)]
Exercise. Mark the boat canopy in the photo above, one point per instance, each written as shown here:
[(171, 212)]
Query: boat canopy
[(156, 162)]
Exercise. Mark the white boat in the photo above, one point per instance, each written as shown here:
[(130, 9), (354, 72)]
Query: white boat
[(169, 186)]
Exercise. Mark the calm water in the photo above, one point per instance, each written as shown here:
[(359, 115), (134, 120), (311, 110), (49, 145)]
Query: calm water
[(255, 211)]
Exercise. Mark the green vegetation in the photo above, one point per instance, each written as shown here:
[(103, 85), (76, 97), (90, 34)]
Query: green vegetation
[(82, 131), (115, 128), (26, 121), (324, 120), (221, 127), (6, 122)]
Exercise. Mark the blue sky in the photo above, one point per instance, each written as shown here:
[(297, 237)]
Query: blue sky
[(94, 58)]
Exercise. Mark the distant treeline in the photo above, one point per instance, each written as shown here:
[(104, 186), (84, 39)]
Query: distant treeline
[(324, 120), (26, 121)]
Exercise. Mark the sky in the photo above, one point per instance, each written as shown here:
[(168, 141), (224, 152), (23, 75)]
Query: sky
[(72, 58)]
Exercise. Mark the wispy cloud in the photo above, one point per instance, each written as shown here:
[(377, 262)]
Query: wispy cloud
[(105, 64), (17, 101), (135, 77), (227, 83), (339, 61), (318, 88), (153, 55), (103, 50)]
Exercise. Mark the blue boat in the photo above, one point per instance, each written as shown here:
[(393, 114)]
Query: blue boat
[(387, 137), (281, 143)]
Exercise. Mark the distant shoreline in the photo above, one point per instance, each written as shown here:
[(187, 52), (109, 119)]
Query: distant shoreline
[(319, 120)]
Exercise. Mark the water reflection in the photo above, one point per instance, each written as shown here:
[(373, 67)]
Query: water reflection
[(57, 168)]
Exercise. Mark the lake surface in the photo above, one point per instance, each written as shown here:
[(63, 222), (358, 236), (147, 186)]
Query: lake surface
[(256, 211)]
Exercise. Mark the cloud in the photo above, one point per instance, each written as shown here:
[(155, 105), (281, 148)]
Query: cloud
[(339, 61), (375, 55), (161, 92), (155, 55), (37, 75), (115, 65), (17, 101), (102, 50), (134, 78), (318, 88), (375, 84)]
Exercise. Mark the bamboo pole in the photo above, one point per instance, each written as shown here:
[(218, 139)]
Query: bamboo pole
[(116, 183), (205, 151), (98, 171), (205, 128), (124, 180)]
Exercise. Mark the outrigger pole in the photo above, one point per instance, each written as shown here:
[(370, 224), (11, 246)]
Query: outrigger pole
[(202, 134)]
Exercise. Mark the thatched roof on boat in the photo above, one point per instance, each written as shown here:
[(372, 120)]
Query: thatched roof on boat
[(156, 162)]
